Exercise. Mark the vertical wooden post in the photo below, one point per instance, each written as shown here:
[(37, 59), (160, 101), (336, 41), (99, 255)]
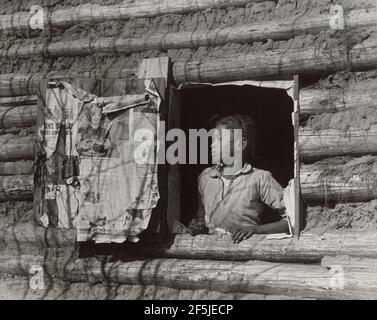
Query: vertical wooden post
[(174, 171), (38, 168), (160, 70), (296, 125)]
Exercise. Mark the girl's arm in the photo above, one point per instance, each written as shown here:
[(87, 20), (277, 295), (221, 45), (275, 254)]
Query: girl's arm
[(198, 224), (246, 232), (274, 227)]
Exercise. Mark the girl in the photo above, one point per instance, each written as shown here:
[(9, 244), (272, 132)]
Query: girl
[(234, 198)]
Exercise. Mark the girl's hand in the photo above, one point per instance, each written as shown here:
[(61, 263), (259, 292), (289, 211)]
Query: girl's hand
[(197, 227), (243, 234)]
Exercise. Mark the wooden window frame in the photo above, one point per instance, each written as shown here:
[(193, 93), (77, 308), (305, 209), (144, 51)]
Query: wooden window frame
[(294, 92)]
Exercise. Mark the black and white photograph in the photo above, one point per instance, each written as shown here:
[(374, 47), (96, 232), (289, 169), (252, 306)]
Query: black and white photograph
[(188, 151)]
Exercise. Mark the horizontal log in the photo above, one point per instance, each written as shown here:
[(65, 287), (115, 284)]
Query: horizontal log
[(309, 248), (38, 236), (315, 101), (334, 182), (269, 64), (16, 148), (16, 101), (347, 262), (18, 116), (15, 84), (18, 288), (16, 167), (305, 280), (275, 30), (16, 187), (91, 13), (278, 64), (26, 116), (318, 144), (253, 66)]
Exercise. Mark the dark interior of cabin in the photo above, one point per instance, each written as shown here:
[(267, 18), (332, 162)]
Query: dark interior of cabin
[(270, 108)]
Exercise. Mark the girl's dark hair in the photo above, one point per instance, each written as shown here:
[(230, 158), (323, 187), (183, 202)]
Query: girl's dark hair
[(248, 126)]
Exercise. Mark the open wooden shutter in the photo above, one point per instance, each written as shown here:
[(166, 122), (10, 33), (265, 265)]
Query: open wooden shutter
[(157, 69), (298, 200)]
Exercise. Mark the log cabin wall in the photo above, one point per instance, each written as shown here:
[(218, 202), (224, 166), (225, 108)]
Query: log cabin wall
[(338, 151), (209, 41)]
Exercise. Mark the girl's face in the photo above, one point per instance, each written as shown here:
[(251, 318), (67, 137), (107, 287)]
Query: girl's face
[(225, 147), (222, 145)]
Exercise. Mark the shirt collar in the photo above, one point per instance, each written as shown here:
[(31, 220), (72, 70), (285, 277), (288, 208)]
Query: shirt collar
[(215, 171)]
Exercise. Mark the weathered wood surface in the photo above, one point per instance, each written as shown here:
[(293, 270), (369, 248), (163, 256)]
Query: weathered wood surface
[(347, 262), (318, 144), (319, 184), (16, 148), (315, 101), (248, 33), (18, 116), (258, 277), (18, 288), (16, 167), (15, 84), (309, 248), (16, 187), (38, 236), (92, 13), (312, 101), (16, 101), (273, 64), (269, 64)]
